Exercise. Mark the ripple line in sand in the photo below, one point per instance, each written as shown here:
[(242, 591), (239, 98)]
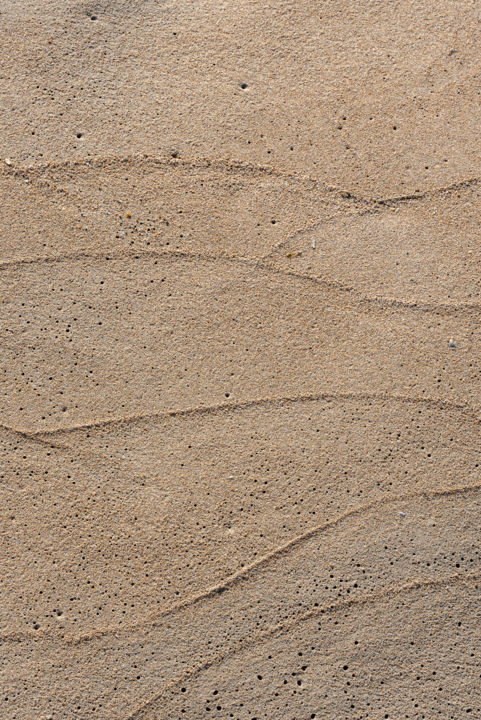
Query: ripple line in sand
[(246, 572), (186, 164), (232, 165), (281, 628), (360, 298), (310, 229), (244, 405), (34, 436)]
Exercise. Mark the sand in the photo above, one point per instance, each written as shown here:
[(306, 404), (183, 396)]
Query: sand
[(240, 297)]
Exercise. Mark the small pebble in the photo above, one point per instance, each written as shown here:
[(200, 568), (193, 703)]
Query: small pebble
[(313, 244), (402, 514), (8, 161), (452, 343)]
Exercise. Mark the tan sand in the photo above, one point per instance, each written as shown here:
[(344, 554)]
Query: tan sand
[(240, 296)]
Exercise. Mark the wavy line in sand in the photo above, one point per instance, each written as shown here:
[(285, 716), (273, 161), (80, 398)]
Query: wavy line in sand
[(247, 572), (281, 628), (44, 186), (42, 436), (34, 436), (375, 205), (232, 165), (75, 455), (376, 301), (307, 230), (243, 405)]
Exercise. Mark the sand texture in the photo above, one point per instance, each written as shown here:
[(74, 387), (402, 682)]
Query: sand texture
[(240, 300)]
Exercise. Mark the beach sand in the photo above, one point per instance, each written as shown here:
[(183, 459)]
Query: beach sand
[(240, 298)]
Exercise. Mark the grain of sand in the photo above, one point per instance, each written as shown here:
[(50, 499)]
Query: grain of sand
[(240, 371)]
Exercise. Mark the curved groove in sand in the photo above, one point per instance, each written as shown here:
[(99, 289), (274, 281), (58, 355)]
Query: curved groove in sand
[(313, 228), (375, 301), (35, 437), (42, 435), (280, 628), (247, 572), (233, 165)]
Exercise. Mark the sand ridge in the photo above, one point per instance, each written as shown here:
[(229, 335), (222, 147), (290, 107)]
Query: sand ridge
[(240, 317)]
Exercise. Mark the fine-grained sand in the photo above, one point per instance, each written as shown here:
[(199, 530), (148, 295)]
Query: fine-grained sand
[(240, 299)]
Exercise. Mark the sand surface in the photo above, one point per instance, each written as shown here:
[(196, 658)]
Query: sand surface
[(240, 298)]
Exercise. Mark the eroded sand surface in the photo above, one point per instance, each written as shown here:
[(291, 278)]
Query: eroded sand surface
[(240, 288)]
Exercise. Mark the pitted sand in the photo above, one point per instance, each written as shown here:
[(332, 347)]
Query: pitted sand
[(240, 312)]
